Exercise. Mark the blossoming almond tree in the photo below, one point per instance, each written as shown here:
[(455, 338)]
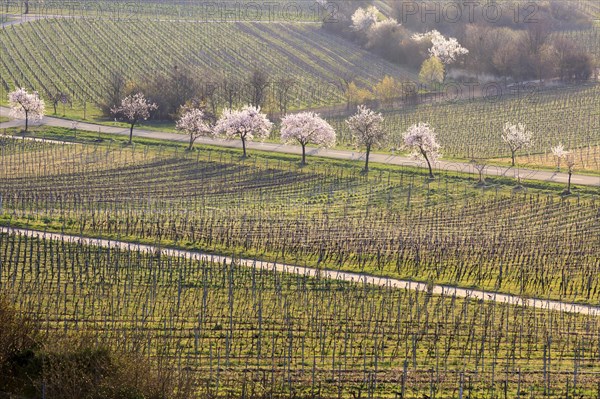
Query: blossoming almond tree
[(26, 105), (246, 124), (559, 153), (446, 49), (307, 128), (516, 138), (193, 122), (362, 19), (134, 108), (421, 139), (366, 126)]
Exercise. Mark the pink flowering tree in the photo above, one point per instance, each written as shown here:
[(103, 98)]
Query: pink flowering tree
[(24, 105), (245, 124), (307, 128), (421, 139), (134, 108), (193, 122), (516, 138), (367, 129)]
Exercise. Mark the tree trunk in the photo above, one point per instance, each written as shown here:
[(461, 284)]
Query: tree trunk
[(428, 165), (367, 158), (569, 182), (131, 133), (244, 146), (26, 120), (303, 153), (513, 158), (191, 142)]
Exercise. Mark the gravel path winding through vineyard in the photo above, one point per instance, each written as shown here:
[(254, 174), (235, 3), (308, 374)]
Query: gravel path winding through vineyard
[(464, 167), (319, 273)]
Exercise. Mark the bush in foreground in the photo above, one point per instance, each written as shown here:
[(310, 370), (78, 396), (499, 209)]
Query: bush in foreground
[(33, 365)]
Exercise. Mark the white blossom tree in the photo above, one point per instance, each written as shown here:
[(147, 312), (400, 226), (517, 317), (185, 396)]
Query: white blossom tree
[(134, 108), (24, 105), (246, 124), (421, 139), (193, 122), (559, 153), (516, 137), (446, 49), (362, 19), (307, 128), (367, 129)]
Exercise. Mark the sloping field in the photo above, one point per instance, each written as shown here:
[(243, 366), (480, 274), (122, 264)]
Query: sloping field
[(78, 54)]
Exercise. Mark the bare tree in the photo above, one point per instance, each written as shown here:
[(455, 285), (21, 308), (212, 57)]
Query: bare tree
[(480, 164), (570, 161), (56, 97), (208, 93), (345, 79), (283, 88), (231, 90), (112, 92), (258, 81)]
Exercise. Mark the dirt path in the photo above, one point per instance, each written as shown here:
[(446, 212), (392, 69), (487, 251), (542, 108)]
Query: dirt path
[(312, 272)]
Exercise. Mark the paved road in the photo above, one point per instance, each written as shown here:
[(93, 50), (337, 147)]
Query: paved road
[(328, 153), (330, 274)]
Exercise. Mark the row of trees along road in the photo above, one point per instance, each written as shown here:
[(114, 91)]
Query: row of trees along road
[(304, 128)]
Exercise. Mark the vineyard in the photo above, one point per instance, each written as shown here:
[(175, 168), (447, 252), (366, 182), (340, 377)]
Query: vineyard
[(250, 331), (472, 128), (184, 266), (393, 222), (224, 11), (77, 55)]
